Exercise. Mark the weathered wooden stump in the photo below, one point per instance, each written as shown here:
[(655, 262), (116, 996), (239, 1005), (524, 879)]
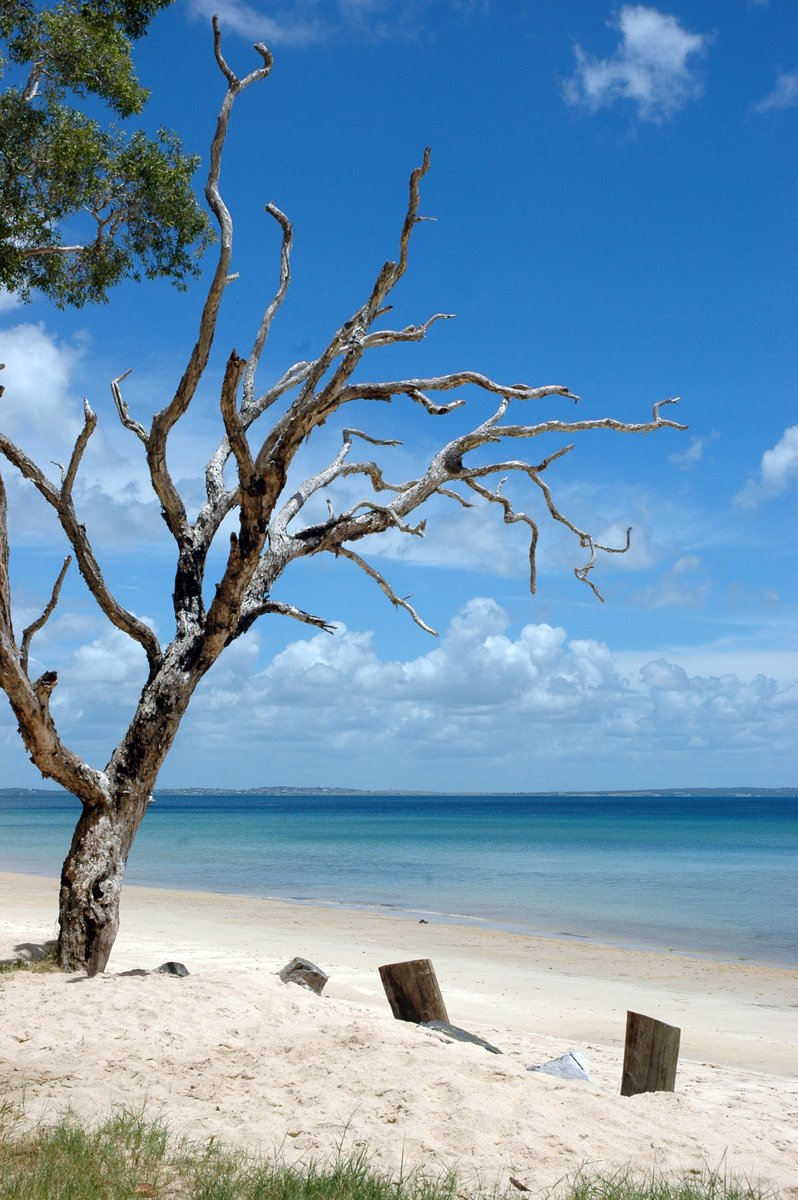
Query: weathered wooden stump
[(413, 992), (650, 1055)]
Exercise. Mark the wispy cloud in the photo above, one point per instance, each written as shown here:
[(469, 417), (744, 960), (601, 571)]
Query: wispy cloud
[(680, 587), (778, 470), (653, 67), (784, 93), (301, 23), (291, 25), (688, 460)]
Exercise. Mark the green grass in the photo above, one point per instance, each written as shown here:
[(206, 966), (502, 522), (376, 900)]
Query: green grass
[(130, 1156)]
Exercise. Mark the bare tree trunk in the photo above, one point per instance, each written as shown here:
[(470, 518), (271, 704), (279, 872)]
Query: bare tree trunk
[(91, 882), (92, 875)]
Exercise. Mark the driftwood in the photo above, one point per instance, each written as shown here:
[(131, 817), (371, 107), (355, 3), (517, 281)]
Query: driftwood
[(651, 1053), (413, 992)]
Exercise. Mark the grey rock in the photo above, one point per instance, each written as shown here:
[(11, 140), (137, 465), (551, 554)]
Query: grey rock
[(573, 1065), (459, 1035), (34, 952), (172, 968), (305, 973)]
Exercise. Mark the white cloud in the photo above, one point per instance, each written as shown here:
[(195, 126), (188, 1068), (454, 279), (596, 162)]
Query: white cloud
[(39, 398), (8, 300), (783, 94), (688, 459), (482, 708), (778, 470), (286, 28), (304, 22), (485, 707), (653, 67)]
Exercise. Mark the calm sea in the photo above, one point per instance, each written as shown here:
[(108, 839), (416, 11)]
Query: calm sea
[(711, 876)]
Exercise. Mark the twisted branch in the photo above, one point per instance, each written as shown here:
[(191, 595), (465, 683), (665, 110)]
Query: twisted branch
[(40, 622)]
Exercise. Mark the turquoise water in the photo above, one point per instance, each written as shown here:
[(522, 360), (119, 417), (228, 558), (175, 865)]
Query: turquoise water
[(710, 876)]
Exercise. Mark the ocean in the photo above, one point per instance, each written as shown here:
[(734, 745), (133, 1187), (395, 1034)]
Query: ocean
[(709, 876)]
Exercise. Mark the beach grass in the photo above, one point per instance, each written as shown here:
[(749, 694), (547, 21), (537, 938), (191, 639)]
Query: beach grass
[(130, 1155)]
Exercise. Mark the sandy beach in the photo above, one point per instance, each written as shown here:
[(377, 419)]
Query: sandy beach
[(233, 1053)]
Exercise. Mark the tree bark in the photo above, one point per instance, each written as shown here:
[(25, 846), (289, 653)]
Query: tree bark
[(91, 882)]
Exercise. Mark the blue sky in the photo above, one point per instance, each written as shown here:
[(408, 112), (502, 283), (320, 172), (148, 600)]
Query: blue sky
[(614, 194)]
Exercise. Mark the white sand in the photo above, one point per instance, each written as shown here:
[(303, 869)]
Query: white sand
[(233, 1053)]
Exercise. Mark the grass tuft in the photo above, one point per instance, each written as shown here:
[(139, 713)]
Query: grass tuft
[(132, 1157)]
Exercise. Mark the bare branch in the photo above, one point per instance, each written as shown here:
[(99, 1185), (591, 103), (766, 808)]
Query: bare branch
[(268, 316), (283, 610), (40, 622), (30, 702), (122, 408), (352, 433), (445, 383), (397, 601), (412, 333), (68, 479), (232, 422), (511, 517), (173, 509), (61, 500)]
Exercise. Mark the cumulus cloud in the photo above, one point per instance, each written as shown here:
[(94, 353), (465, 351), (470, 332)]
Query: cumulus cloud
[(484, 707), (778, 470), (39, 395), (488, 705), (653, 67), (783, 94)]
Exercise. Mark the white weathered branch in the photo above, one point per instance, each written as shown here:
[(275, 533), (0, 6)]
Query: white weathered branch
[(251, 614), (382, 582), (265, 325), (123, 411)]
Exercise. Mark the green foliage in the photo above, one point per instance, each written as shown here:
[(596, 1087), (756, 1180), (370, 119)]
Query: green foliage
[(83, 205)]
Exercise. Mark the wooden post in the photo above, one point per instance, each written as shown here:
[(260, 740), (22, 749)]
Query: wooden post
[(650, 1056), (413, 992)]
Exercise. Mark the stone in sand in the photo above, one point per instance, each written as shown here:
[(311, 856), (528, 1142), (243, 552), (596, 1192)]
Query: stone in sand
[(572, 1065), (171, 968), (305, 973)]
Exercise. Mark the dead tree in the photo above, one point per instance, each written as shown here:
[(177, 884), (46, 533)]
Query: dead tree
[(270, 535)]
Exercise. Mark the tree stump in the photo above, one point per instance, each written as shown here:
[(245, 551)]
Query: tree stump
[(650, 1055), (413, 992)]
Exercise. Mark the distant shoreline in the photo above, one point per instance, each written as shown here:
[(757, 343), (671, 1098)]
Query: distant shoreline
[(740, 793)]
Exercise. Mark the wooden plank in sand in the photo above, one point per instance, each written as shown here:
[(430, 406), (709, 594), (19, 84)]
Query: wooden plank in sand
[(413, 992), (650, 1055)]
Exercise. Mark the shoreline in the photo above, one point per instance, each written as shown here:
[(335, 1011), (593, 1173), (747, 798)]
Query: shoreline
[(613, 939), (231, 1053)]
